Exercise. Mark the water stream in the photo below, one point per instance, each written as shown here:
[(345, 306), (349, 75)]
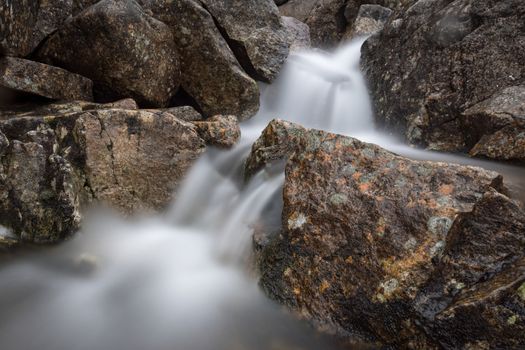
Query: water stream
[(177, 281)]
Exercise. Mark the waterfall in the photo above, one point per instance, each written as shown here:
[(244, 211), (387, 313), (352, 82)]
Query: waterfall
[(173, 281)]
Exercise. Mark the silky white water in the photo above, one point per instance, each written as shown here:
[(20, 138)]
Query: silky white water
[(178, 280)]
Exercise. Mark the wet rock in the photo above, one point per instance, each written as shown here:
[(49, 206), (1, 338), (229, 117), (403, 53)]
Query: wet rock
[(435, 62), (364, 233), (255, 32), (208, 65), (43, 80), (478, 278), (221, 131), (53, 166), (298, 32), (123, 50), (370, 20), (17, 20)]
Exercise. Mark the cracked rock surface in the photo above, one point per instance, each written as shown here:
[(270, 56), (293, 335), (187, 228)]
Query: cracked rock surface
[(53, 165), (366, 233), (434, 68)]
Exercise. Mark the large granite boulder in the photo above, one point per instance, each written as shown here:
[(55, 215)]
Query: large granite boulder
[(365, 232), (43, 80), (211, 74), (434, 68), (126, 52), (53, 165), (255, 32)]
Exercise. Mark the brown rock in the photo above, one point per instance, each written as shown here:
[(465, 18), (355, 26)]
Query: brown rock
[(255, 32), (436, 61), (134, 160), (43, 80), (221, 131), (364, 231), (51, 166), (123, 50), (211, 74)]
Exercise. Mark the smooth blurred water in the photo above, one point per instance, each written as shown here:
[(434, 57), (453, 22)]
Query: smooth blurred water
[(181, 280)]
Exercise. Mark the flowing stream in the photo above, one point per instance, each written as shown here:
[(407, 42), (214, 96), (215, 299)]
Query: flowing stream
[(178, 281)]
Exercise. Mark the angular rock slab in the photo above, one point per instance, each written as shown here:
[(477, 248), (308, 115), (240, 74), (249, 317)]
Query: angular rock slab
[(50, 167), (123, 50), (435, 61), (255, 32), (44, 80), (211, 74), (364, 231)]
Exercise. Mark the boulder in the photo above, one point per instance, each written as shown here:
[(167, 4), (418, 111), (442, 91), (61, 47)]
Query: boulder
[(365, 232), (52, 166), (370, 20), (211, 74), (298, 32), (126, 52), (44, 80), (255, 32), (17, 20), (434, 68)]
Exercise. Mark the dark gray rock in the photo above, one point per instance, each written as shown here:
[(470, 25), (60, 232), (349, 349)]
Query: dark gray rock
[(44, 80), (432, 64), (211, 74), (17, 20), (123, 50), (255, 32)]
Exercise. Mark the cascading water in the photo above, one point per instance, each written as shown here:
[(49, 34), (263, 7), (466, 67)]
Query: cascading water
[(172, 282)]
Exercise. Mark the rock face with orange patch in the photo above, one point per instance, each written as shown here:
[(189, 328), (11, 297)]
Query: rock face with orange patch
[(392, 222)]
